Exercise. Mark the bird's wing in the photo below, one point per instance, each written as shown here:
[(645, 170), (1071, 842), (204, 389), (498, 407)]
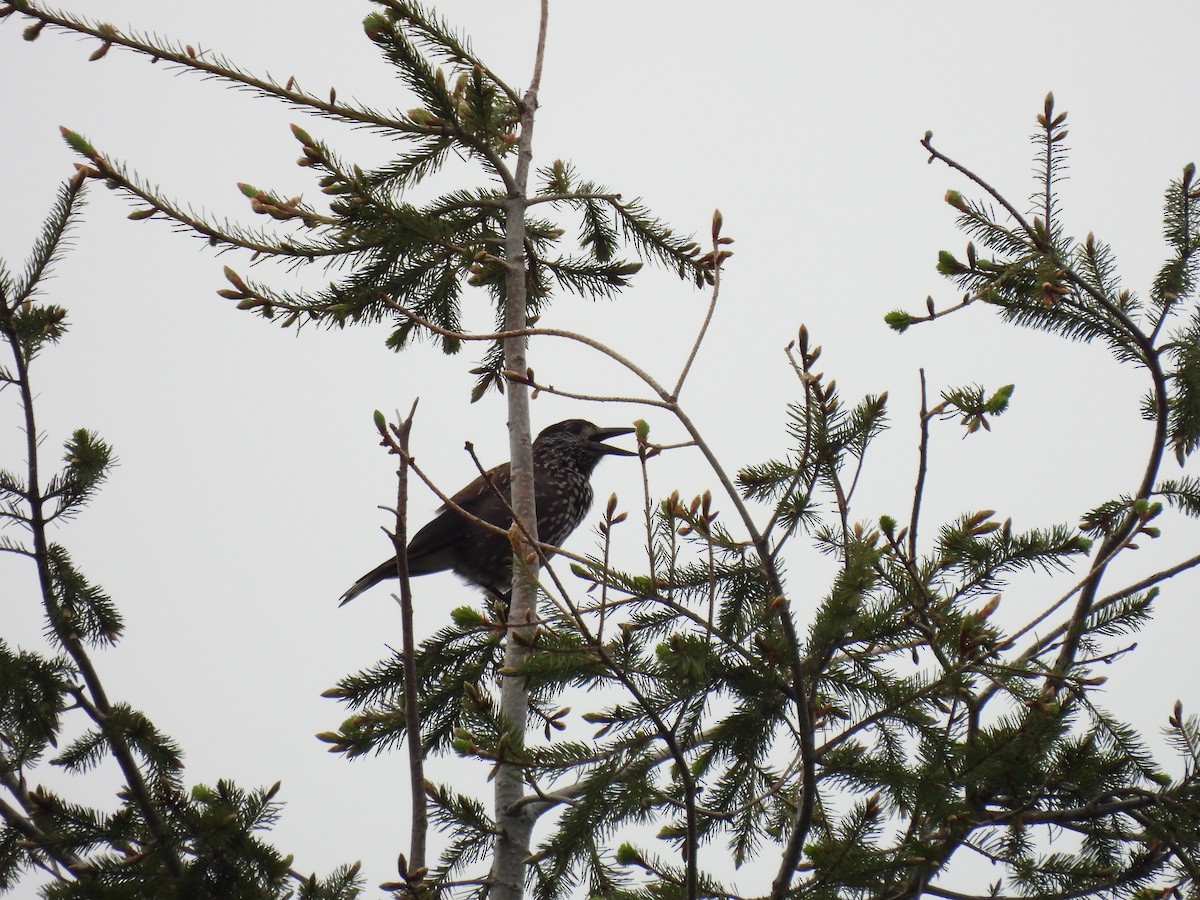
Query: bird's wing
[(427, 551), (431, 550)]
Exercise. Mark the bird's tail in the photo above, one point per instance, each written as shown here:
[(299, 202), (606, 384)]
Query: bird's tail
[(381, 572)]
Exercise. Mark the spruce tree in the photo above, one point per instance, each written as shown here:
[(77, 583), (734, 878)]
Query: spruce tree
[(645, 727)]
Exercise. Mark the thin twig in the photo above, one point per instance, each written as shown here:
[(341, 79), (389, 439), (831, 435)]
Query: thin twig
[(922, 467), (708, 315), (540, 388), (412, 711), (927, 143), (616, 357)]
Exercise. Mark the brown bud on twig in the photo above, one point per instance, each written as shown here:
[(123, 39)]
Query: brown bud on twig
[(515, 377), (988, 608), (233, 278), (100, 52), (1052, 292)]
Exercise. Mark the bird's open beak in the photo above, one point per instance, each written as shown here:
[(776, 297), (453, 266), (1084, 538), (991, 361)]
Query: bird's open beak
[(602, 434)]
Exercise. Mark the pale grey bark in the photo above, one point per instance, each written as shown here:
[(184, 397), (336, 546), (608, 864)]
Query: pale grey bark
[(514, 820)]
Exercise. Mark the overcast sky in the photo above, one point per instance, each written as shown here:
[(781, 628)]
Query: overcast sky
[(246, 498)]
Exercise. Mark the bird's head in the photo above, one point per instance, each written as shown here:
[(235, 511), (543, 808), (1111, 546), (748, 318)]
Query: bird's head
[(581, 440)]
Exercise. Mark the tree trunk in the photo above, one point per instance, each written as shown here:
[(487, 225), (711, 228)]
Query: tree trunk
[(513, 820)]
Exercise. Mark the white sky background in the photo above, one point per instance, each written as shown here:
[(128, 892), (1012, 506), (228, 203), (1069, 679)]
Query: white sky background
[(246, 498)]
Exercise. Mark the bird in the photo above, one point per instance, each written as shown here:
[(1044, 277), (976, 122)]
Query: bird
[(564, 457)]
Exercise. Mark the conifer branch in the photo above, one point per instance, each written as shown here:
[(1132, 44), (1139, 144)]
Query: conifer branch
[(116, 178), (186, 57), (1041, 238), (440, 37), (66, 631), (804, 462), (25, 821)]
